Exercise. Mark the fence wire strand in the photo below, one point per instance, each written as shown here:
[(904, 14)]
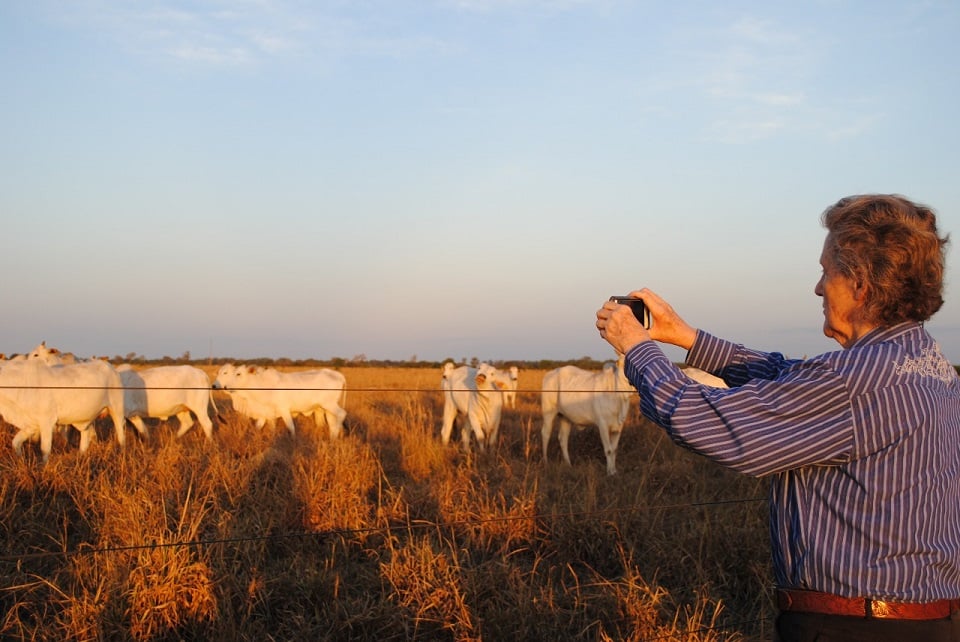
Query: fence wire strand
[(389, 528), (347, 532)]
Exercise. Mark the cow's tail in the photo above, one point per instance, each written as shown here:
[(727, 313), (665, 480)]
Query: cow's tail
[(216, 410), (115, 408)]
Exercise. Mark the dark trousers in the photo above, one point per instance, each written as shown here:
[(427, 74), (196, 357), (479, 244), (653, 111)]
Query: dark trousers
[(813, 627)]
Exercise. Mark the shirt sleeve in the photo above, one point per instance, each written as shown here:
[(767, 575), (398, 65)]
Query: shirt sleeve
[(778, 414), (735, 363)]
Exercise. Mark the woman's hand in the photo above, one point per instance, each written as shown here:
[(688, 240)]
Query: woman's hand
[(620, 328), (667, 326)]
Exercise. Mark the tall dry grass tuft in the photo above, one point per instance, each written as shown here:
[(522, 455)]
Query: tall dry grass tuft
[(167, 589), (385, 534), (334, 484), (483, 515), (427, 586)]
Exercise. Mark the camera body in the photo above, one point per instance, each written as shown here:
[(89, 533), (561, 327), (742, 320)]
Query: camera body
[(639, 309)]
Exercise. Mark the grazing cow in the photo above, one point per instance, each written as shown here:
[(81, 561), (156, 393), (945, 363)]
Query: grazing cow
[(266, 394), (510, 390), (475, 393), (582, 398), (35, 397), (165, 391)]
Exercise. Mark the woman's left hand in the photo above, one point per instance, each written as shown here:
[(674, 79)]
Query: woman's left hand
[(619, 327)]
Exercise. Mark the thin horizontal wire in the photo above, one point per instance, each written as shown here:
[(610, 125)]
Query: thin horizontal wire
[(733, 626), (229, 390), (419, 524)]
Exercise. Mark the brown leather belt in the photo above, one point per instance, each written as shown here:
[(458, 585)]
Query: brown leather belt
[(829, 604)]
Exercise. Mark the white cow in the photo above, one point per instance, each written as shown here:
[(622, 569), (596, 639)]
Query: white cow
[(477, 394), (165, 391), (510, 390), (582, 398), (35, 397), (266, 394)]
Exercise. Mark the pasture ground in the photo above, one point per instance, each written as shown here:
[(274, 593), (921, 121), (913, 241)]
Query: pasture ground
[(382, 535)]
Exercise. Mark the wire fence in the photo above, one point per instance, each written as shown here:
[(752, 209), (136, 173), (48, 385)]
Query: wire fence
[(386, 529), (738, 626)]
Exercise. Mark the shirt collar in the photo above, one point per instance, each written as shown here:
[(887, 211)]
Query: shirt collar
[(879, 335)]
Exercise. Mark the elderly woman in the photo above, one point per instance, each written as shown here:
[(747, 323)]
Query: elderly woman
[(862, 445)]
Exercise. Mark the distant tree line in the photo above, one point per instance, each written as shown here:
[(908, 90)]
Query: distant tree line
[(587, 363), (361, 361)]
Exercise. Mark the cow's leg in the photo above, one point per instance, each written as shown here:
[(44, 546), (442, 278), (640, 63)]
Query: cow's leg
[(609, 446), (465, 430), (564, 436), (46, 440), (288, 422), (476, 425), (204, 419), (119, 426), (547, 430), (492, 435), (137, 422), (612, 456), (18, 439), (449, 416), (321, 417), (87, 431), (334, 419), (493, 430), (186, 422)]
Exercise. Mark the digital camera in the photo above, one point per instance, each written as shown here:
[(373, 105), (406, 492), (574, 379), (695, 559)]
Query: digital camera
[(639, 309)]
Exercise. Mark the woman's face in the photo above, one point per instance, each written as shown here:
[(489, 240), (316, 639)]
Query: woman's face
[(841, 301)]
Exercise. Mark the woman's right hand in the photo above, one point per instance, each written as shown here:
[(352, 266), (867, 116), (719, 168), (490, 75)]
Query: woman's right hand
[(667, 326)]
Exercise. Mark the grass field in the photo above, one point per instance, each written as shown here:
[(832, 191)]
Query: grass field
[(384, 534)]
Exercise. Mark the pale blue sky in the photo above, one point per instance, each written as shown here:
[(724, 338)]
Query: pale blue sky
[(448, 178)]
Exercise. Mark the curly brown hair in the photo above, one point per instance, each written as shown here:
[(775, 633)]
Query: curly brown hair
[(891, 245)]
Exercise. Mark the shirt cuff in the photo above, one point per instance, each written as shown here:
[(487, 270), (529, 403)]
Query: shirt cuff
[(639, 358)]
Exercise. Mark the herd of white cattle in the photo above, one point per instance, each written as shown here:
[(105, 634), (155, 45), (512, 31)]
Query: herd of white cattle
[(45, 389)]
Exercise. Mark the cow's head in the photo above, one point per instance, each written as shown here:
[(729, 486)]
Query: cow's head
[(486, 377), (50, 356), (448, 369), (225, 376)]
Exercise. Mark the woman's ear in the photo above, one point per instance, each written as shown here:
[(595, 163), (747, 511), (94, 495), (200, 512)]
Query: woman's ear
[(860, 290)]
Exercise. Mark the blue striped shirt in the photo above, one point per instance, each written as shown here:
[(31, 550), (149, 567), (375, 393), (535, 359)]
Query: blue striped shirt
[(862, 447)]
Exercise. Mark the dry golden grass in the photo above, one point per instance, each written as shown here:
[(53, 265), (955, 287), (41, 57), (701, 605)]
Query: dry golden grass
[(382, 535)]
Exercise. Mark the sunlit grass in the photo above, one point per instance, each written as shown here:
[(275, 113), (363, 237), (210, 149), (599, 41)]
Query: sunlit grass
[(384, 534)]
